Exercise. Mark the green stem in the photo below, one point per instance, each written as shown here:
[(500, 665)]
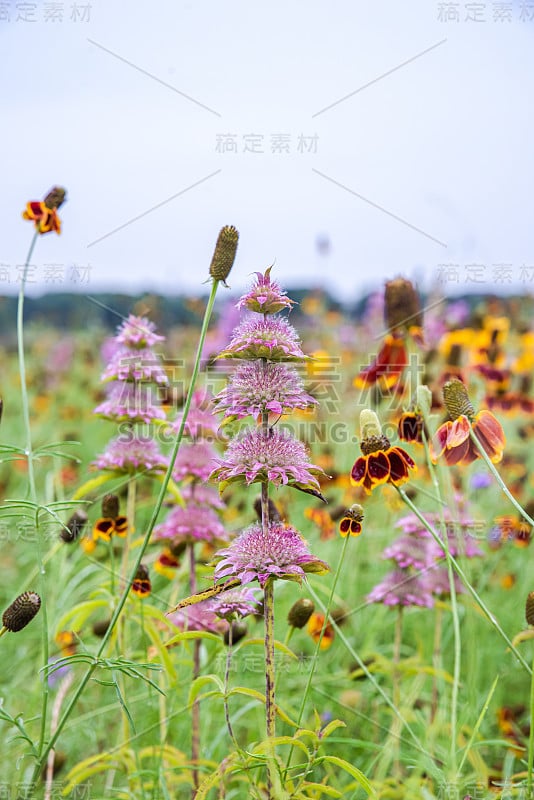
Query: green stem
[(454, 611), (152, 522), (459, 571), (31, 484), (531, 738), (370, 677), (270, 676), (315, 659), (195, 710), (499, 480)]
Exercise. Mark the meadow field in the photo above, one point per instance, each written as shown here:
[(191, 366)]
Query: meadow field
[(269, 594)]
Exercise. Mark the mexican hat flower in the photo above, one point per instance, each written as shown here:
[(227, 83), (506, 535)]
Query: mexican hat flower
[(380, 462), (403, 315), (280, 552), (44, 212), (453, 439)]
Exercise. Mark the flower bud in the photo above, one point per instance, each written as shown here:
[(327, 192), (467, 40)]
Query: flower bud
[(224, 254), (21, 611), (300, 612)]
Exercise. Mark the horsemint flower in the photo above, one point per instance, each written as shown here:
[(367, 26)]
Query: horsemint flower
[(131, 453), (403, 315), (273, 339), (453, 440), (265, 296), (379, 462), (281, 552), (270, 455), (402, 588), (255, 387), (44, 213)]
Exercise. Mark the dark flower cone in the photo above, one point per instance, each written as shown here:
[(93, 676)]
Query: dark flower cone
[(224, 254), (402, 307), (110, 506), (21, 611), (457, 400), (55, 197)]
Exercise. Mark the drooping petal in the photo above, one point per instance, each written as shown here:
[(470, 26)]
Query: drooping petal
[(399, 468), (358, 471), (438, 442), (387, 366), (458, 432), (378, 467), (487, 426)]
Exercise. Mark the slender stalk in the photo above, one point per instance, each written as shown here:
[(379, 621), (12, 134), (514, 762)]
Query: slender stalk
[(436, 661), (270, 676), (531, 738), (150, 527), (459, 571), (455, 615), (22, 372), (195, 710), (370, 677), (32, 486), (397, 643), (499, 480), (315, 659), (227, 684)]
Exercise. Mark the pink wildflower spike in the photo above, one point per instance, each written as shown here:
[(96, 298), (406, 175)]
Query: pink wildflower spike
[(281, 553), (265, 296), (273, 456), (273, 339), (129, 454)]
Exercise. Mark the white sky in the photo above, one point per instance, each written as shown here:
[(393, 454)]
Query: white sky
[(443, 142)]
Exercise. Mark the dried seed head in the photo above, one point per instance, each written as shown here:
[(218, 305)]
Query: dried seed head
[(110, 506), (74, 526), (55, 197), (21, 611), (224, 253), (529, 608), (457, 400), (300, 612), (402, 307)]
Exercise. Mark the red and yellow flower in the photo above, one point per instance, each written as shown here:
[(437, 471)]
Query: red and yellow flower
[(403, 317), (314, 628), (380, 462), (141, 585), (351, 521), (44, 212), (453, 439)]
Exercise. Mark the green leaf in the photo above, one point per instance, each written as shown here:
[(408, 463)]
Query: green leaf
[(354, 771)]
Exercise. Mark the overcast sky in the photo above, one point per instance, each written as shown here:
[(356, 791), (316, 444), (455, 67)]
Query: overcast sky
[(396, 135)]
